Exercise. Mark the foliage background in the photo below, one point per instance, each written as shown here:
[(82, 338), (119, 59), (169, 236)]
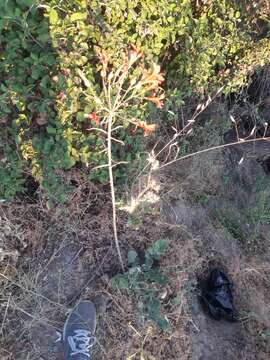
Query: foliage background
[(45, 45)]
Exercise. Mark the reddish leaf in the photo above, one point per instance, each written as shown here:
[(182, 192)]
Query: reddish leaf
[(147, 128), (93, 117), (156, 100)]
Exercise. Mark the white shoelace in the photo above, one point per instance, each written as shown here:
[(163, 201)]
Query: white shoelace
[(81, 342)]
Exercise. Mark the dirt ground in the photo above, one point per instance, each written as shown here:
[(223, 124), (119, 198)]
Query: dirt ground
[(212, 210), (244, 257)]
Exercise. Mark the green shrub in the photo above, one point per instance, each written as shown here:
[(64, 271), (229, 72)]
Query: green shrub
[(43, 99), (143, 280)]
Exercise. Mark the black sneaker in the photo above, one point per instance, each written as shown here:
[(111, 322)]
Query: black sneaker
[(79, 329)]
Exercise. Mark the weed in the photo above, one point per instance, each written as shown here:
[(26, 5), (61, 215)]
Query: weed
[(202, 199), (259, 213), (226, 180), (228, 220), (145, 282), (134, 221), (262, 183)]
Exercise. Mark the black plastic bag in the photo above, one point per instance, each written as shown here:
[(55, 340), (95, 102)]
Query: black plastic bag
[(217, 296)]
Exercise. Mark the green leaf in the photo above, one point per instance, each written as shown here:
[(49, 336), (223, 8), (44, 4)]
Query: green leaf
[(120, 281), (134, 276), (80, 116), (51, 130), (132, 257), (152, 307), (62, 198), (53, 16), (154, 275), (78, 16), (157, 249), (36, 73), (175, 301), (25, 3), (148, 263), (163, 323)]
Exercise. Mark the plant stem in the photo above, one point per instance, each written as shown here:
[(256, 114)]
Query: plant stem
[(215, 148), (110, 167)]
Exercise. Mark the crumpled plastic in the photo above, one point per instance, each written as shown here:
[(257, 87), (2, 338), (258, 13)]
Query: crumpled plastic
[(217, 296)]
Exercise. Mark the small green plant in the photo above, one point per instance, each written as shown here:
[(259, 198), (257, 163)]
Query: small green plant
[(202, 199), (259, 214), (229, 221), (146, 282)]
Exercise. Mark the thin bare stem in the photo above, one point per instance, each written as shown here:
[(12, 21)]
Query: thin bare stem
[(105, 132), (117, 102), (187, 127), (106, 165), (265, 129), (110, 166), (215, 148), (5, 315), (191, 121)]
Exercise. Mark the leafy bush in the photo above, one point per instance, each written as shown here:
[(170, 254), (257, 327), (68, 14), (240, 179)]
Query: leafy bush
[(143, 281), (51, 70), (28, 96)]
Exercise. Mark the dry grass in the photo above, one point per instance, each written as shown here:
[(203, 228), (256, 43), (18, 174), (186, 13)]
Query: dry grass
[(55, 257), (31, 309)]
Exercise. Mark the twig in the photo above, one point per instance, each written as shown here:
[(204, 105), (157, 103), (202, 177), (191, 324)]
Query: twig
[(265, 129), (200, 109), (31, 291), (215, 148), (104, 132), (5, 315), (46, 321), (236, 127), (106, 165)]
